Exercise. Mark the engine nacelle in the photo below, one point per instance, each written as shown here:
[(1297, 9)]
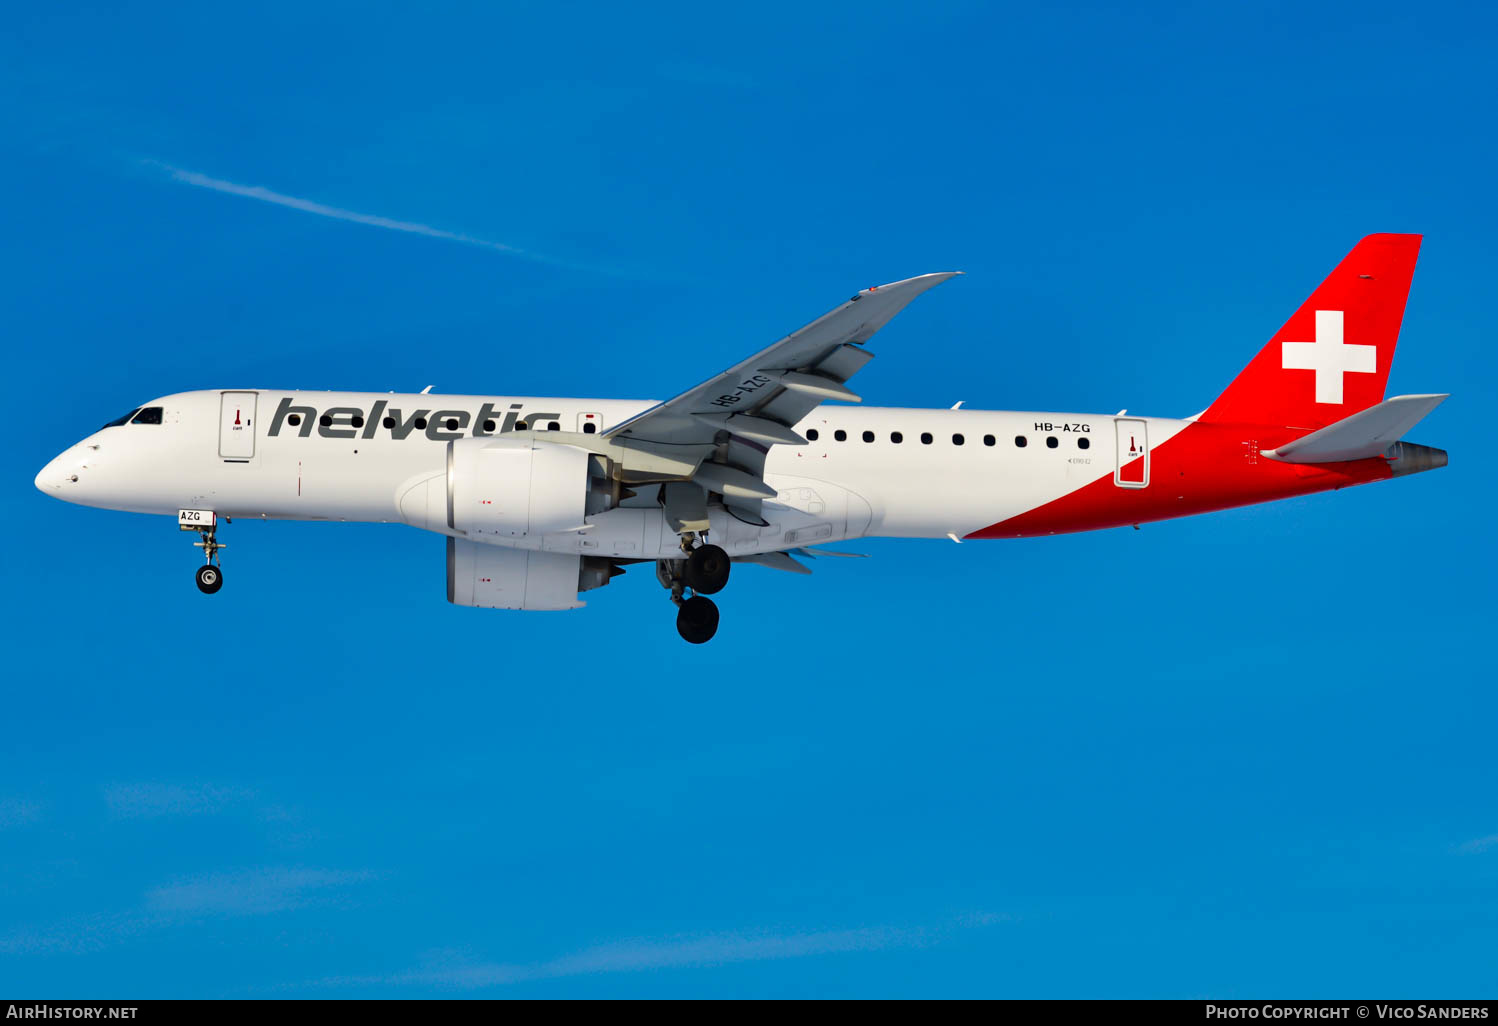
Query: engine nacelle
[(514, 488), (501, 489), (499, 577)]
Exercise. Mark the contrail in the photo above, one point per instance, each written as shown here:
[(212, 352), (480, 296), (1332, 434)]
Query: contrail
[(259, 192)]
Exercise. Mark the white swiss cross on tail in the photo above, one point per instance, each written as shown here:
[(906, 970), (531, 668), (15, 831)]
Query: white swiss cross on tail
[(1329, 357)]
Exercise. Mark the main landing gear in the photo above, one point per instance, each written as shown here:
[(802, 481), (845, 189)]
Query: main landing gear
[(697, 619), (703, 572), (210, 575), (706, 571)]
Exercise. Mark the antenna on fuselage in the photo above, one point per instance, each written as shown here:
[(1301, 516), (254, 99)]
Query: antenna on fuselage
[(424, 391)]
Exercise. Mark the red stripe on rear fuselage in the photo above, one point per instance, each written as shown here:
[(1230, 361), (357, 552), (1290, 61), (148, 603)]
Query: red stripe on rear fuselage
[(1205, 467)]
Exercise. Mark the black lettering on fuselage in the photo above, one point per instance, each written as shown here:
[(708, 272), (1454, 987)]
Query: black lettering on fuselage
[(340, 422), (403, 428), (307, 413), (375, 413), (486, 415), (438, 430), (350, 421)]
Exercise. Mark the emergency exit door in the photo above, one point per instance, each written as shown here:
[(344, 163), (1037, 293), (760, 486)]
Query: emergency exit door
[(236, 426), (1133, 466)]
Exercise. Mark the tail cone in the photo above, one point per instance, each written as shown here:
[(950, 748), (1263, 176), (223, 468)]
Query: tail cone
[(1410, 458)]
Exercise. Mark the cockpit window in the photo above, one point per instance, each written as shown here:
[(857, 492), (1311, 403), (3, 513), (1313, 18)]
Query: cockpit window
[(120, 420), (147, 415)]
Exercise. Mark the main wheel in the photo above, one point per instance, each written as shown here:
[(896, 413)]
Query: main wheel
[(210, 578), (697, 619), (707, 570)]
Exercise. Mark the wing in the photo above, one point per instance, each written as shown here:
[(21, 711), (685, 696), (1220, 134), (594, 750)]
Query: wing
[(754, 404)]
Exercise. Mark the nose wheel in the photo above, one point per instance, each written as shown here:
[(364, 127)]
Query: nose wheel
[(210, 576), (210, 579)]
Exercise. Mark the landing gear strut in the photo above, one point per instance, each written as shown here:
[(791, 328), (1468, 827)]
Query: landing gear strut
[(210, 575), (703, 571)]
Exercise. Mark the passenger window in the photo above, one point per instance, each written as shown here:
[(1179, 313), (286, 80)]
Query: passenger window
[(925, 438), (388, 422), (589, 428), (149, 415), (420, 423), (868, 436), (989, 439), (357, 421), (122, 420), (452, 423), (896, 437), (840, 435), (958, 439), (1020, 441), (325, 420), (520, 425), (1050, 442), (812, 434), (553, 426), (1083, 443)]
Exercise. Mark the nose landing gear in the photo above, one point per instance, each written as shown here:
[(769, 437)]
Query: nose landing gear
[(210, 575)]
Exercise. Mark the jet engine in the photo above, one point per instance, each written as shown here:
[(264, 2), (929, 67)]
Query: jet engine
[(503, 488), (500, 489), (500, 492), (500, 577)]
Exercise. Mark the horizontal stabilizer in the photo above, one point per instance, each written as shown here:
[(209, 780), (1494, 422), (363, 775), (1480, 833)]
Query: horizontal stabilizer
[(775, 561), (1364, 435), (814, 553)]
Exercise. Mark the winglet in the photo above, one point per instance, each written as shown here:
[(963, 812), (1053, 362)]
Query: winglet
[(888, 300)]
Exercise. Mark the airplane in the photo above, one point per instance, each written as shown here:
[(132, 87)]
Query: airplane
[(543, 499)]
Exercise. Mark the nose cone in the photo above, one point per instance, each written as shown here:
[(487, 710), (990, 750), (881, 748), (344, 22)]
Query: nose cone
[(50, 480), (60, 477)]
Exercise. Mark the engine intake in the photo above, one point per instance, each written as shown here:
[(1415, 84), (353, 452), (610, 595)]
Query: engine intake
[(513, 488)]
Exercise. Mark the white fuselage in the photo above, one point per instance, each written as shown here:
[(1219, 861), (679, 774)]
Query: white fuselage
[(381, 457)]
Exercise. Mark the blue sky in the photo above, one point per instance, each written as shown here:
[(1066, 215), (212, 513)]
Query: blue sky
[(942, 770)]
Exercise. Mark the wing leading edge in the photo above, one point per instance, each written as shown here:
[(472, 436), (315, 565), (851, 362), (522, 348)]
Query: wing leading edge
[(753, 405)]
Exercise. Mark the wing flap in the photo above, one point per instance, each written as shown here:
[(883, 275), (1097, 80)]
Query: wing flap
[(816, 360), (726, 425)]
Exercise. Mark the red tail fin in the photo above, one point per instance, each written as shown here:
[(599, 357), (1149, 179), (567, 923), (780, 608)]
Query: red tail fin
[(1332, 358)]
